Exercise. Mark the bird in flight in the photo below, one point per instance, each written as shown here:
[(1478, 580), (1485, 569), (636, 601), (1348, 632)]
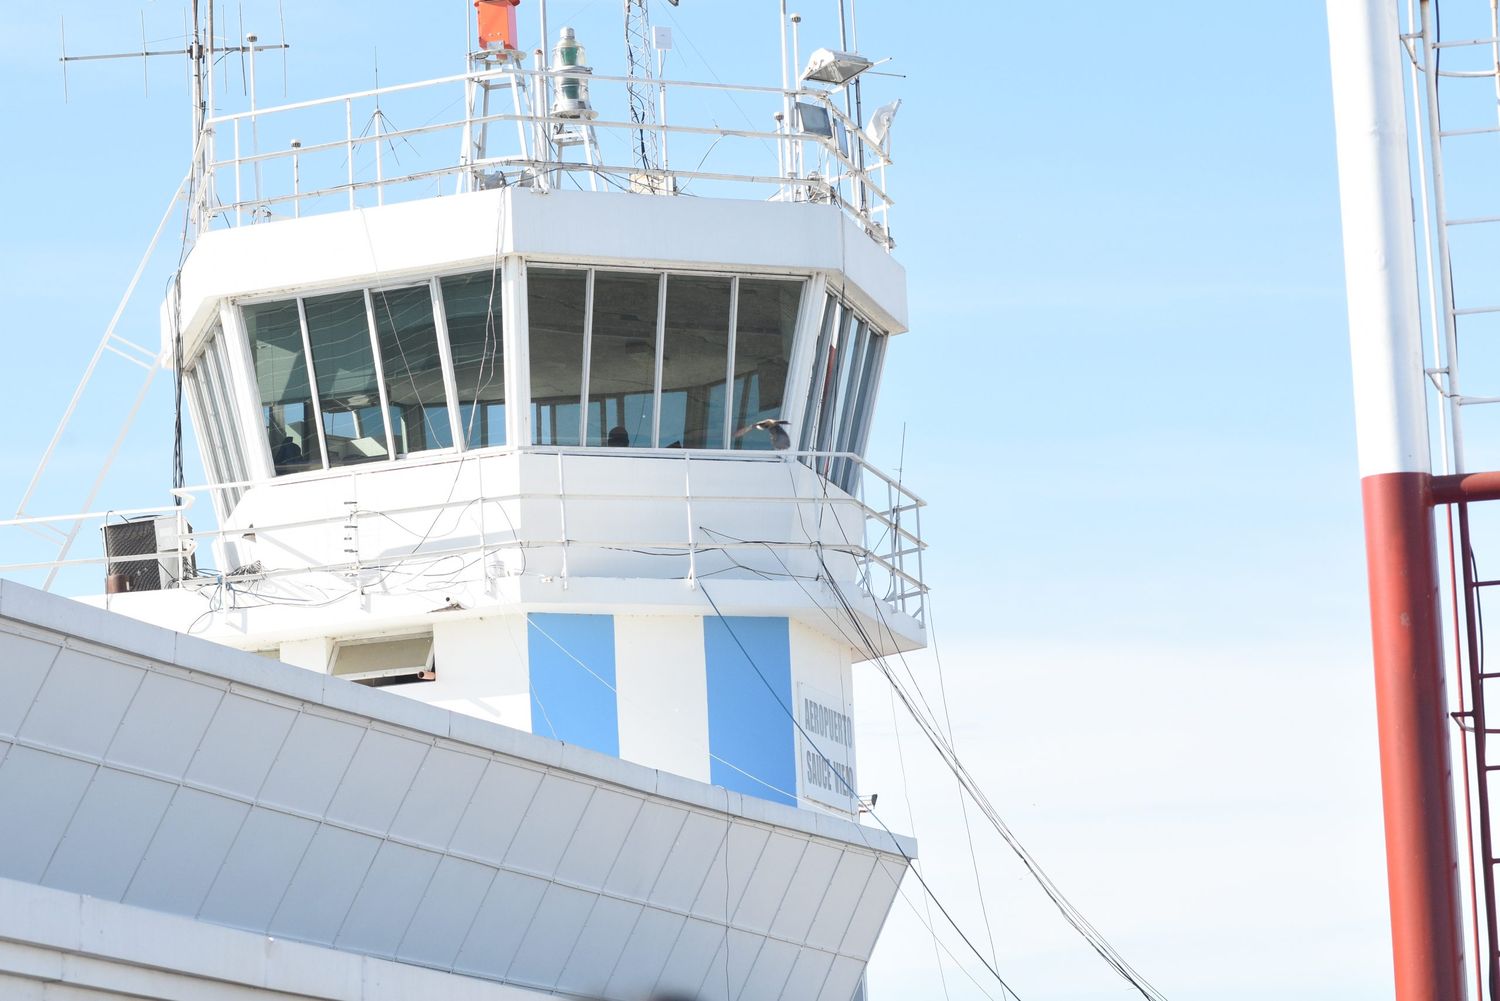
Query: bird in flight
[(780, 440)]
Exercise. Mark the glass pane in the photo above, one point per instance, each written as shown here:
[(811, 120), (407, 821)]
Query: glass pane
[(555, 304), (865, 407), (822, 362), (476, 334), (217, 357), (202, 427), (338, 330), (413, 369), (766, 325), (695, 362), (207, 425), (849, 397), (275, 334), (622, 358), (837, 363)]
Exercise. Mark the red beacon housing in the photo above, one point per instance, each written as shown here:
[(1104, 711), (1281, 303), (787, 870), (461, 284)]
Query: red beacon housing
[(497, 23)]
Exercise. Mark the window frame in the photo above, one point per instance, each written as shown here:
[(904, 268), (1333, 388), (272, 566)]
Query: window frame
[(515, 346), (445, 359), (841, 402), (803, 282)]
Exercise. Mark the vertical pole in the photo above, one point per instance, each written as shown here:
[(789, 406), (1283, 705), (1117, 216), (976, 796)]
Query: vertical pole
[(1385, 342), (794, 154), (239, 197), (349, 144), (206, 153), (379, 162), (250, 41), (296, 179), (196, 65), (661, 83), (858, 150), (785, 127), (544, 63)]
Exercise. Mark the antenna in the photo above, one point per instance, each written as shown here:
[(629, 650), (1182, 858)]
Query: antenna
[(144, 54), (198, 53)]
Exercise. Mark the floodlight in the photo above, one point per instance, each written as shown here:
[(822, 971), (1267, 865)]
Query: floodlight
[(814, 120), (878, 128), (829, 66)]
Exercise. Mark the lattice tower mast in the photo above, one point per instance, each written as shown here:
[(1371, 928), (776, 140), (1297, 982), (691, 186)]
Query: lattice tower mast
[(640, 88)]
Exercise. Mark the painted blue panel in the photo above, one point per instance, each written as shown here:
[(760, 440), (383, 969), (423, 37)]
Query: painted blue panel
[(750, 735), (572, 660)]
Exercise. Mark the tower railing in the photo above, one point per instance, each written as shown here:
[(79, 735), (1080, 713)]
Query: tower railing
[(362, 149), (809, 531)]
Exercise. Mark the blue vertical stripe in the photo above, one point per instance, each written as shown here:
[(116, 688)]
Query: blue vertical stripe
[(750, 736), (572, 659)]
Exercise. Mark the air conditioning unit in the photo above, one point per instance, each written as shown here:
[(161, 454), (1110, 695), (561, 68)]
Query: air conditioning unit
[(147, 554)]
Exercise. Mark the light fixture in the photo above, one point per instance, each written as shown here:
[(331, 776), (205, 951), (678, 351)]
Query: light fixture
[(572, 99), (878, 129), (830, 66), (814, 120)]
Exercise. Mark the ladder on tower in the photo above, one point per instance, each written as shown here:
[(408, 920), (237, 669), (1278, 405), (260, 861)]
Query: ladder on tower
[(1437, 149), (1474, 720)]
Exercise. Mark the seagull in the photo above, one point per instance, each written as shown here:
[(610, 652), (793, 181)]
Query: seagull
[(780, 440)]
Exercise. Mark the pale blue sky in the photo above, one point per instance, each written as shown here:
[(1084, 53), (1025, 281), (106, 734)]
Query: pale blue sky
[(1125, 395)]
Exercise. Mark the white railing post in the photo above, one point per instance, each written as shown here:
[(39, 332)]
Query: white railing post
[(349, 143), (238, 197), (562, 515), (379, 120), (687, 497), (296, 179), (466, 158)]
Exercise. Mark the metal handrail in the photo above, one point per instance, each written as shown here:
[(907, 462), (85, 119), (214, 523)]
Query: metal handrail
[(895, 545), (856, 160)]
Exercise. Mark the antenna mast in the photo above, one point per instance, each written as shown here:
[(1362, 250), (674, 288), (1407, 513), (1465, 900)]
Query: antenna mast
[(640, 43), (647, 146)]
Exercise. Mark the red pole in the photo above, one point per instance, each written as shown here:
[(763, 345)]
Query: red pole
[(1411, 706)]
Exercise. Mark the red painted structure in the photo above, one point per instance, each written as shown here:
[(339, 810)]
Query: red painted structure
[(497, 24), (1411, 704)]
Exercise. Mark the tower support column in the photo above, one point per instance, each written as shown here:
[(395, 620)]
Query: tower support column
[(1395, 468)]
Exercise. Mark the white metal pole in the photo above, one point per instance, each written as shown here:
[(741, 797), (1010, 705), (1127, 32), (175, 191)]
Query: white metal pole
[(661, 84), (544, 63), (250, 41), (206, 154), (378, 121), (796, 153), (296, 179), (786, 102), (1380, 263), (349, 144)]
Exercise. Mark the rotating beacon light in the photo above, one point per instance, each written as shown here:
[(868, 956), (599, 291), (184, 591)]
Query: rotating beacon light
[(572, 99), (497, 24)]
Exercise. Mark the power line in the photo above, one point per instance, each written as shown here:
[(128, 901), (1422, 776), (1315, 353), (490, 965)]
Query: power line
[(855, 795), (967, 783)]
